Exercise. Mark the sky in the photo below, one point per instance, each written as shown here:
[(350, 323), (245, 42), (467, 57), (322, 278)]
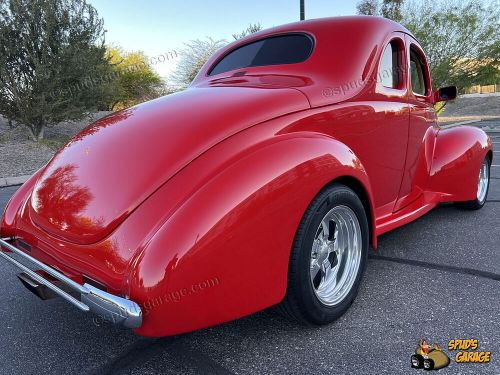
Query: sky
[(158, 27)]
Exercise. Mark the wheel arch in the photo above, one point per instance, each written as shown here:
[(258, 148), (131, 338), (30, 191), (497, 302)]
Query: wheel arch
[(362, 193)]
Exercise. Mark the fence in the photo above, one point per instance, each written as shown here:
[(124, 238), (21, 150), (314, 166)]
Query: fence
[(479, 89)]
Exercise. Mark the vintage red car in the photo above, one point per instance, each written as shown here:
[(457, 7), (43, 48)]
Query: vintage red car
[(262, 184)]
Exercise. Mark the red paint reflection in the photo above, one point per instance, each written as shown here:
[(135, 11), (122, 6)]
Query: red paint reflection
[(61, 201)]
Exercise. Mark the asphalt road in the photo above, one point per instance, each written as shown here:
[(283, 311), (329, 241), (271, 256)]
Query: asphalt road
[(437, 278)]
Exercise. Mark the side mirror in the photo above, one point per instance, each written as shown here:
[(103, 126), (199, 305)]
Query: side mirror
[(445, 93)]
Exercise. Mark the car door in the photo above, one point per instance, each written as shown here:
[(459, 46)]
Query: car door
[(376, 127), (423, 126), (386, 141)]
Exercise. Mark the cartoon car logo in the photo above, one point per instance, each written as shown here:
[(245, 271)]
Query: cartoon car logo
[(429, 358)]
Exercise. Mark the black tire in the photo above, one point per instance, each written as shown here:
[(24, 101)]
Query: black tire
[(417, 361), (428, 364), (301, 302), (476, 204)]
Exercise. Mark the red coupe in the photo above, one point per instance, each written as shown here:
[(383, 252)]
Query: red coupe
[(262, 184)]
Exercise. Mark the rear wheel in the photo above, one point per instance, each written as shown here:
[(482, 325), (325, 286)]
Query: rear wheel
[(328, 257), (483, 186)]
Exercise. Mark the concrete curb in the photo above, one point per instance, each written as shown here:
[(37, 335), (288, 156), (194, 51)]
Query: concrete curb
[(466, 118), (479, 95), (11, 181), (458, 124)]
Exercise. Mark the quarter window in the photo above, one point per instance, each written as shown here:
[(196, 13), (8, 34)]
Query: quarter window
[(282, 49), (417, 74), (389, 71)]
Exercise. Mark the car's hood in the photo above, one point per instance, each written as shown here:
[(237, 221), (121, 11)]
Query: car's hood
[(102, 174)]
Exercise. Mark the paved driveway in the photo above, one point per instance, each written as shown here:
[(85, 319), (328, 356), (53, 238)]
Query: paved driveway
[(437, 278)]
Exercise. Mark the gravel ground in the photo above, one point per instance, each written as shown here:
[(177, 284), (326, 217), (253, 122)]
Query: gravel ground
[(21, 156), (473, 106)]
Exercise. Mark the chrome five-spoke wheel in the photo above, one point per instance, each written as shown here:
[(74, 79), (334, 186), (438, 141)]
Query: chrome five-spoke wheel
[(336, 255), (328, 257)]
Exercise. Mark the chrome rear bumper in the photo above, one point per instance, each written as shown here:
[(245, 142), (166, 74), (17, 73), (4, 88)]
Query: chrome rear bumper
[(112, 308)]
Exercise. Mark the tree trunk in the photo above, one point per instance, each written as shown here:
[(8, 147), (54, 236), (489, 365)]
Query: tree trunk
[(37, 133), (41, 133)]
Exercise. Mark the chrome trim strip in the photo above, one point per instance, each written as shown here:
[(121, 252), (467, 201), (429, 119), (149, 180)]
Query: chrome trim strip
[(112, 308)]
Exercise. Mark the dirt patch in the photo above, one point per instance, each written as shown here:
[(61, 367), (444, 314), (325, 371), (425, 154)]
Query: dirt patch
[(21, 156)]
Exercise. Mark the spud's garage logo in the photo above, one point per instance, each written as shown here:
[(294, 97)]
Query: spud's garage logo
[(467, 351), (429, 358), (433, 358)]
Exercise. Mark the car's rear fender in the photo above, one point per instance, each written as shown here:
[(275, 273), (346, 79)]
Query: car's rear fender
[(220, 230), (12, 209), (223, 253)]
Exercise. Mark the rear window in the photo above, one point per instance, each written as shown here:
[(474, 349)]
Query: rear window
[(282, 49)]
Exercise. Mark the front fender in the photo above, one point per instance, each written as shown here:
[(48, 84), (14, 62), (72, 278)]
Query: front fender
[(224, 252), (458, 155)]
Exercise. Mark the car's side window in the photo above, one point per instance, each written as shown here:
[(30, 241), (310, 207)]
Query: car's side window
[(389, 70), (417, 74)]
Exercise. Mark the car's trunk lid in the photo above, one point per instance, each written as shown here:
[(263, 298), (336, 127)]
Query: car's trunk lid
[(102, 174)]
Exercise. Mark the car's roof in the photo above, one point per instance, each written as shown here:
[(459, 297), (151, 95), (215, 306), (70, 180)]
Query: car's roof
[(345, 51), (324, 25)]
